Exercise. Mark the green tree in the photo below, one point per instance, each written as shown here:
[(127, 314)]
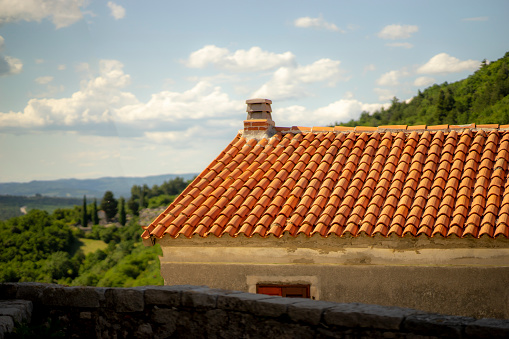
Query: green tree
[(133, 205), (441, 107), (142, 198), (109, 205), (121, 212), (95, 216), (481, 98), (84, 216)]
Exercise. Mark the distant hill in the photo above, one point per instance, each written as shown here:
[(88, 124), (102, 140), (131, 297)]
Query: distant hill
[(482, 98), (14, 206), (77, 188)]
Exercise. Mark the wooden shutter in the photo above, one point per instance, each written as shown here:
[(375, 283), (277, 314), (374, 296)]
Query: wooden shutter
[(289, 291)]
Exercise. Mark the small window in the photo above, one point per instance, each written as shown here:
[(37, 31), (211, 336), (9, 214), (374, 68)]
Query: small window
[(289, 291)]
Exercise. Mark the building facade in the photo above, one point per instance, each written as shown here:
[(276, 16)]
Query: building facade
[(412, 216)]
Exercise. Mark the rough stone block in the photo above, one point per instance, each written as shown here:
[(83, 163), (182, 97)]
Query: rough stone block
[(274, 306), (240, 302), (369, 316), (272, 328), (202, 297), (6, 324), (8, 290), (32, 291), (144, 331), (125, 299), (163, 295), (308, 311), (73, 296), (216, 321), (488, 328), (85, 315), (431, 324), (25, 308), (15, 313), (164, 315)]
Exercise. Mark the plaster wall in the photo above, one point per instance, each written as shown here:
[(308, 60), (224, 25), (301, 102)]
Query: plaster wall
[(457, 277)]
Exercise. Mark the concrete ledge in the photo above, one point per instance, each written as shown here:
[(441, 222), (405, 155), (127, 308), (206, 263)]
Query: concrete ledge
[(202, 312)]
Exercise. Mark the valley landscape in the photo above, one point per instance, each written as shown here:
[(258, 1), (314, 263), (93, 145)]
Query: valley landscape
[(60, 239)]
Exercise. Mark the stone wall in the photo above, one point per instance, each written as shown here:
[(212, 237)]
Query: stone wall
[(201, 312)]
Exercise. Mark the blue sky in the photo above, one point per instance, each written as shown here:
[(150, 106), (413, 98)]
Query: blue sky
[(132, 88)]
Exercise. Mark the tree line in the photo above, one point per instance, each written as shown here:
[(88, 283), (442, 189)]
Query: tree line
[(48, 247), (142, 197), (482, 98)]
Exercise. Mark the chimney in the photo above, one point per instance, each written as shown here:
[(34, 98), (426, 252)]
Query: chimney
[(259, 123)]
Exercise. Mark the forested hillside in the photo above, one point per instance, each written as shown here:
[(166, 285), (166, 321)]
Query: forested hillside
[(55, 247), (38, 247), (482, 98)]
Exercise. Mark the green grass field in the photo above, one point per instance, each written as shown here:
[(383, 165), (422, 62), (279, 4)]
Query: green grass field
[(89, 245)]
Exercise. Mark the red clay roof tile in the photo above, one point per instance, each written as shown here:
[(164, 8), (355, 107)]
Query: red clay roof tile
[(391, 180)]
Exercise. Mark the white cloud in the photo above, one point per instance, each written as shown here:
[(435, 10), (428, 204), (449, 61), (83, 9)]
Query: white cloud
[(345, 110), (175, 136), (94, 103), (254, 59), (400, 44), (479, 18), (201, 102), (62, 13), (102, 100), (287, 82), (210, 54), (10, 65), (339, 111), (39, 61), (424, 81), (44, 80), (444, 63), (61, 67), (308, 22), (391, 78), (117, 11), (394, 32)]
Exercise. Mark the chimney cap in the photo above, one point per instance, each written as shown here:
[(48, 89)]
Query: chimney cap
[(259, 101)]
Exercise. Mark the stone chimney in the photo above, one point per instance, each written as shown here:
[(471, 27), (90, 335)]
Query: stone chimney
[(259, 123)]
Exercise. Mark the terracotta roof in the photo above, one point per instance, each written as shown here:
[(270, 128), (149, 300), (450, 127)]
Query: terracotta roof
[(340, 181)]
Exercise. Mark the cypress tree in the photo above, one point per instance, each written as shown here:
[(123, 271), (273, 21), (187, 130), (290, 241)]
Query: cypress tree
[(95, 217), (109, 205), (121, 213), (84, 219), (142, 198), (133, 206)]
